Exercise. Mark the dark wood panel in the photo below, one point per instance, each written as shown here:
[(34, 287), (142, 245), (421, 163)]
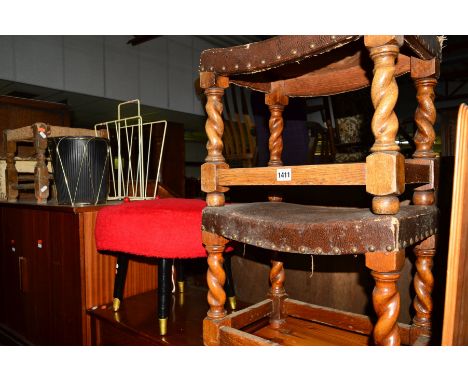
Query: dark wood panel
[(13, 283), (173, 163), (37, 242), (18, 112), (65, 280)]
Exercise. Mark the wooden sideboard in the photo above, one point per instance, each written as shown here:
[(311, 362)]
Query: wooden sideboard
[(51, 273)]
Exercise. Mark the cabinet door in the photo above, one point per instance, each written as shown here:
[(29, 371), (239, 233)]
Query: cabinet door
[(68, 312), (14, 280), (38, 302)]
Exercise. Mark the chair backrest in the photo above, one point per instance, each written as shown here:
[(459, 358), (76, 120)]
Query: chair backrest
[(311, 66), (240, 143)]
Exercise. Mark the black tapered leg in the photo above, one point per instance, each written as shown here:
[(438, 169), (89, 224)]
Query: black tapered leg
[(119, 282), (180, 274), (229, 284), (164, 293)]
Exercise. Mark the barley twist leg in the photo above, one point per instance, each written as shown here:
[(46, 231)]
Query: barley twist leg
[(386, 300)]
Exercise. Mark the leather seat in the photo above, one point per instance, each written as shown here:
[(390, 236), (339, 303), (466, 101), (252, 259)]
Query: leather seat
[(294, 228)]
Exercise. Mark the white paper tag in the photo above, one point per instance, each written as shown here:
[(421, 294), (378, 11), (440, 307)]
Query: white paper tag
[(43, 188), (283, 174), (43, 135)]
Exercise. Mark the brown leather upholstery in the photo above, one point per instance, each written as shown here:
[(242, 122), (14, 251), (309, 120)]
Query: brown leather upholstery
[(295, 228), (308, 65)]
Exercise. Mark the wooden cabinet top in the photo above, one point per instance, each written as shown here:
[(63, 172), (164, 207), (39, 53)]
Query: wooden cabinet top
[(53, 206)]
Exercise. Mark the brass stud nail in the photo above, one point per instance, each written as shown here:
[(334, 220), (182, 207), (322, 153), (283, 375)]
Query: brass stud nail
[(318, 250), (431, 231), (235, 236), (416, 238), (302, 249), (211, 68), (287, 248), (236, 66), (224, 68), (371, 248), (263, 61), (354, 250), (336, 251), (389, 248), (312, 45), (427, 233), (248, 65), (436, 230), (259, 243), (212, 229), (203, 227), (411, 241), (294, 51), (333, 37), (202, 68), (404, 243), (223, 232), (273, 246), (278, 56), (247, 240)]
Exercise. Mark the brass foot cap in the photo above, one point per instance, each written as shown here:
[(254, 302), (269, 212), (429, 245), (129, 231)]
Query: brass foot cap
[(163, 326), (232, 302), (181, 286), (116, 304)]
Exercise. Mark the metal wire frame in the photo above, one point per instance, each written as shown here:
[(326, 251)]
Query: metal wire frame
[(130, 184)]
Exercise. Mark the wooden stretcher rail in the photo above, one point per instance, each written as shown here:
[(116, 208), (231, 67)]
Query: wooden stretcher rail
[(343, 174), (326, 174), (231, 330), (234, 337)]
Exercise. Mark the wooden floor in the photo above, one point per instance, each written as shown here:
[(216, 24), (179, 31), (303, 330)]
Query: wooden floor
[(136, 324)]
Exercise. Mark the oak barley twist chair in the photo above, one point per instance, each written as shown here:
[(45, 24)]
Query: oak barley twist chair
[(311, 66)]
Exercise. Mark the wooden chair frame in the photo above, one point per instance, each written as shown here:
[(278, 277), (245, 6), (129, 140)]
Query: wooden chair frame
[(384, 174)]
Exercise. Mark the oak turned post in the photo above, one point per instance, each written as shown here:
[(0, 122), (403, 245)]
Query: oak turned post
[(277, 293), (215, 276), (424, 74), (11, 174), (276, 103), (384, 93), (214, 89), (424, 282), (385, 269)]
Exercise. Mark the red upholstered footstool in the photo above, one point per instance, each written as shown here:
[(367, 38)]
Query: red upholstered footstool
[(169, 229)]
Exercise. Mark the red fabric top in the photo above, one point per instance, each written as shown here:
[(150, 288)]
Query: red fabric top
[(166, 228)]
